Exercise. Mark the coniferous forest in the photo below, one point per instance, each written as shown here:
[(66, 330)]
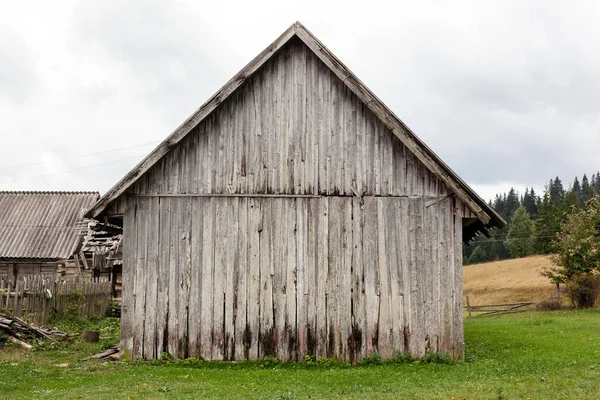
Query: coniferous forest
[(533, 220)]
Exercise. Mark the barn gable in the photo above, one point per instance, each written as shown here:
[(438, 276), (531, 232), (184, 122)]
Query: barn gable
[(297, 121)]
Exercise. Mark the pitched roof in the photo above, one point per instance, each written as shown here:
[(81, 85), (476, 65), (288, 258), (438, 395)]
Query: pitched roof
[(487, 217), (41, 224)]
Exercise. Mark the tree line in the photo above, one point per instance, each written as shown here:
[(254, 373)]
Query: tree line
[(533, 220)]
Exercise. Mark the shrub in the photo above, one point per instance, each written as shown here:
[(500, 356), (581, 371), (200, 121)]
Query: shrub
[(373, 359), (552, 304), (400, 358), (584, 290), (433, 357)]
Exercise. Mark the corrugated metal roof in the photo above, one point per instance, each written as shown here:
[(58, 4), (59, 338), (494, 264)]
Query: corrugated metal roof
[(41, 224)]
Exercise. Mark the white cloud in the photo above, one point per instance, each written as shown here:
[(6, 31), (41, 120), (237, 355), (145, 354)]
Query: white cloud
[(506, 93)]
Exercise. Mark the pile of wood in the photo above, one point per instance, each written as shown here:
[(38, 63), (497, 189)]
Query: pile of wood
[(18, 331), (112, 353)]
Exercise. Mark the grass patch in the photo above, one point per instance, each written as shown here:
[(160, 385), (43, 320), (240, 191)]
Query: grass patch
[(554, 354)]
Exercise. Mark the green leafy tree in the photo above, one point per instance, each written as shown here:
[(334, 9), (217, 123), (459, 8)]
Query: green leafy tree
[(577, 254), (519, 239)]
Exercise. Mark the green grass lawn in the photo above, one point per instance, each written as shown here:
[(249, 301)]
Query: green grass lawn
[(547, 355)]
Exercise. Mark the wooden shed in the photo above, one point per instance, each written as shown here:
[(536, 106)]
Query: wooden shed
[(39, 231), (293, 214)]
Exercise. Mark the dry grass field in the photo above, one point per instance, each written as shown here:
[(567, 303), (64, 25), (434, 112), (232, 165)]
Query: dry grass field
[(508, 281)]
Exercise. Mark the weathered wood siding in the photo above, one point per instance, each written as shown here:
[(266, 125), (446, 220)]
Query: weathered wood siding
[(293, 128), (357, 250), (234, 278)]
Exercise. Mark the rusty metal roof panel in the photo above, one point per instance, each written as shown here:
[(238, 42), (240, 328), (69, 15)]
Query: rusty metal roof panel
[(41, 224)]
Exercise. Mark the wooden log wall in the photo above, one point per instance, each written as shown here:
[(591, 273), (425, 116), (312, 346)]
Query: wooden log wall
[(241, 278)]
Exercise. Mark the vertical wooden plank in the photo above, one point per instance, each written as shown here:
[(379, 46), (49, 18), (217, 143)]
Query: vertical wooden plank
[(290, 268), (174, 292), (221, 250), (229, 255), (301, 277), (371, 273), (150, 286), (195, 303), (163, 272), (279, 273), (140, 298), (405, 274), (417, 331), (431, 274), (185, 271), (446, 283), (457, 295), (267, 340), (345, 279), (241, 282), (386, 345), (254, 296), (396, 299), (333, 277), (208, 275), (322, 266)]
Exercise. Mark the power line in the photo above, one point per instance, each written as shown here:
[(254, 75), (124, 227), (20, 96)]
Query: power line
[(79, 156), (516, 239), (72, 170)]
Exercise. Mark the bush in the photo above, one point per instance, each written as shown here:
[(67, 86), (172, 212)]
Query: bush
[(400, 358), (584, 290), (433, 357), (552, 304), (373, 359)]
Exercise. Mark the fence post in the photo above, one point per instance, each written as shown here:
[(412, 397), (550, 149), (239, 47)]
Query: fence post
[(468, 307)]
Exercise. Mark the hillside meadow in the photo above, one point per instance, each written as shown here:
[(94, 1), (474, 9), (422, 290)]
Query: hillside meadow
[(535, 355), (508, 281)]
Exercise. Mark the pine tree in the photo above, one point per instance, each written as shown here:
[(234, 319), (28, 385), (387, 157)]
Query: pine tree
[(586, 190), (530, 202), (577, 192), (519, 239), (557, 192), (478, 256)]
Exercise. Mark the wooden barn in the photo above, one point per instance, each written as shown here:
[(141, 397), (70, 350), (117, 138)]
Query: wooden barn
[(293, 214), (39, 231)]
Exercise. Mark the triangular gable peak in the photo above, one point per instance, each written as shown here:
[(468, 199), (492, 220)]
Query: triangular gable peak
[(368, 168)]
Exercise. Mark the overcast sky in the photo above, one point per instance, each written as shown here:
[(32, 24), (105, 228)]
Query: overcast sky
[(506, 94)]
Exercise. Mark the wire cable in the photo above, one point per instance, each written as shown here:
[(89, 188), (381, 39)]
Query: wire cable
[(72, 170), (79, 156)]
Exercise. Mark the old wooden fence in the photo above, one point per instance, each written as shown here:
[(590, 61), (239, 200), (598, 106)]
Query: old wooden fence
[(37, 298), (495, 309)]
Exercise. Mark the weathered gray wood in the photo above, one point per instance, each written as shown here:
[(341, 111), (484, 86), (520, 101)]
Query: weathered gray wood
[(294, 221), (222, 247), (358, 313), (140, 278), (254, 287), (322, 266), (195, 300), (457, 293), (151, 283), (371, 268), (128, 278), (386, 344), (174, 287), (267, 339), (207, 272)]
